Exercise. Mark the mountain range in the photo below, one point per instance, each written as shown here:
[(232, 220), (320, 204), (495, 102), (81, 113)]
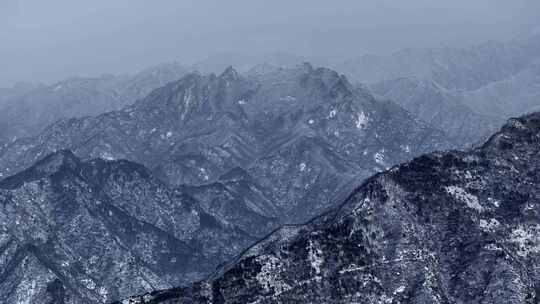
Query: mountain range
[(302, 135), (119, 185), (230, 158)]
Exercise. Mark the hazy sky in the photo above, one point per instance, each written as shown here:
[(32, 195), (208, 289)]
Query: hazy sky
[(53, 39)]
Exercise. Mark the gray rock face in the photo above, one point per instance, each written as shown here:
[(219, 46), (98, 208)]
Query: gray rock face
[(27, 111), (98, 231), (303, 135), (454, 227)]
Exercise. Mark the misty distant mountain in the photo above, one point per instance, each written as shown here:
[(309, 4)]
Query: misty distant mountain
[(97, 231), (464, 92), (25, 111), (440, 107), (244, 62), (451, 68), (447, 227), (517, 94)]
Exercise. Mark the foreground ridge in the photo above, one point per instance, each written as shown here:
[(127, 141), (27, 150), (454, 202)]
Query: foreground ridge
[(74, 231), (452, 227)]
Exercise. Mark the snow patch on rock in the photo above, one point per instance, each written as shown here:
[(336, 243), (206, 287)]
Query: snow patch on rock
[(489, 225), (527, 239), (288, 98), (203, 174), (107, 156), (269, 277), (379, 157), (332, 114), (463, 196), (315, 256), (361, 120)]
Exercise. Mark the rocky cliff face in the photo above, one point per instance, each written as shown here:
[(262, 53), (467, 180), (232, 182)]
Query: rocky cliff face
[(97, 231), (453, 227)]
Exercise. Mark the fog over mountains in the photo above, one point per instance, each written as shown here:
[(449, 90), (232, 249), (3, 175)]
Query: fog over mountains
[(258, 168), (57, 39)]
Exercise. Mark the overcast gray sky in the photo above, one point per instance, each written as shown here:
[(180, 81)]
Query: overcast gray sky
[(53, 39)]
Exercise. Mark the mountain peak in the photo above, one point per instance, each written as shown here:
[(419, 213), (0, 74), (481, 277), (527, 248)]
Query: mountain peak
[(53, 163), (516, 131), (229, 74), (306, 67)]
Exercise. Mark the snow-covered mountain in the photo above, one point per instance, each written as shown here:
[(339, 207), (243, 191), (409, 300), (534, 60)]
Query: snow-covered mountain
[(174, 173), (97, 231), (447, 227)]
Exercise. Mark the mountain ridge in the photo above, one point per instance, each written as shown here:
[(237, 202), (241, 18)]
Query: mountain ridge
[(99, 230)]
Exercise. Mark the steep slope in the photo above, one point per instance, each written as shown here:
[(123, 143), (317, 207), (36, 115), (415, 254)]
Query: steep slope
[(295, 131), (27, 112), (239, 199), (141, 84), (97, 231), (440, 107), (454, 227)]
